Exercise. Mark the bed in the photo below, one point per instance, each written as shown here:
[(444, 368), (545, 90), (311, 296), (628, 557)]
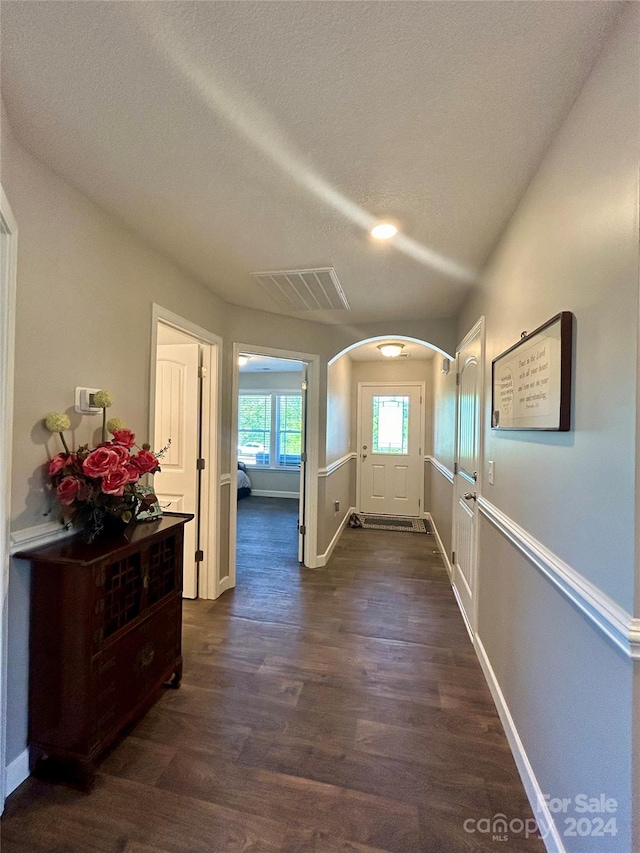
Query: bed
[(244, 483)]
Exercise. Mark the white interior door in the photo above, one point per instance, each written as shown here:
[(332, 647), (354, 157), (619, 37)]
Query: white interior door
[(178, 418), (391, 466), (465, 526)]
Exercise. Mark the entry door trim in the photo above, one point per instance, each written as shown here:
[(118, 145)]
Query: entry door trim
[(423, 396), (7, 340), (478, 329), (209, 569), (313, 430)]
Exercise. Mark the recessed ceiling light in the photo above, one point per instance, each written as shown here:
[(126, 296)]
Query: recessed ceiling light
[(383, 231), (242, 360), (391, 350)]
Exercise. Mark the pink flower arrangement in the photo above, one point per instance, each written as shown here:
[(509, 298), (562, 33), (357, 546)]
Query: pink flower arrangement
[(93, 484)]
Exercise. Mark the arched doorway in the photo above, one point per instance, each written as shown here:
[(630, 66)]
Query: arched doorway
[(358, 369)]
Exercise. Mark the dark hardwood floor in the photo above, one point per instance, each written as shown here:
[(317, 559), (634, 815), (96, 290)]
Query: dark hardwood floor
[(339, 710)]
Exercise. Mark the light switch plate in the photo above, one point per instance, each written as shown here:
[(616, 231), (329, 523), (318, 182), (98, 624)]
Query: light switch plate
[(490, 472), (83, 401)]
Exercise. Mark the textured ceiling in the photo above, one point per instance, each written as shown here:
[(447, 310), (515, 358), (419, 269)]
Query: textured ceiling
[(243, 136)]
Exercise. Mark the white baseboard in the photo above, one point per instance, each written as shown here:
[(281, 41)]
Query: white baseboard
[(548, 829), (17, 771), (465, 618), (443, 551), (269, 493), (551, 838), (323, 559)]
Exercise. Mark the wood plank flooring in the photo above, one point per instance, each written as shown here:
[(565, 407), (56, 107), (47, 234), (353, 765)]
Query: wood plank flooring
[(339, 710)]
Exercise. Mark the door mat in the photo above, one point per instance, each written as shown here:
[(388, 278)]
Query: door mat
[(386, 522)]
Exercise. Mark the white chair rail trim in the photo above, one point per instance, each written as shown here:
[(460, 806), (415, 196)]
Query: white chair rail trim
[(611, 619), (225, 479), (333, 466), (440, 467)]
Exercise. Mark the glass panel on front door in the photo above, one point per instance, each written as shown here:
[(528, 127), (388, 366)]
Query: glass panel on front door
[(390, 424)]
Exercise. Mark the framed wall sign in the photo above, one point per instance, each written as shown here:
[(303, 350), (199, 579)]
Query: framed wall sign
[(531, 381)]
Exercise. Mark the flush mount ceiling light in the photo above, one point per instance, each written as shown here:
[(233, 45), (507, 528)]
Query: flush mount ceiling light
[(242, 360), (391, 350), (383, 231)]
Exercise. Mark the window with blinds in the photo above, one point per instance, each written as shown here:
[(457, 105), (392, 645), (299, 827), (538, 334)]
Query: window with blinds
[(289, 429), (254, 429), (270, 429)]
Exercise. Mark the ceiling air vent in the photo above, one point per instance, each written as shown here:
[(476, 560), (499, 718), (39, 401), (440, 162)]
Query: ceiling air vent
[(304, 290)]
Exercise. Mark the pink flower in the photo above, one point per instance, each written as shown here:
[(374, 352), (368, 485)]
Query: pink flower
[(124, 437), (124, 457), (100, 461), (59, 462), (68, 490), (145, 461), (133, 473), (114, 481)]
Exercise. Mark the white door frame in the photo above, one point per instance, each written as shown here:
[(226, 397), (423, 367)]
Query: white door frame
[(208, 586), (471, 620), (423, 396), (313, 419), (9, 261)]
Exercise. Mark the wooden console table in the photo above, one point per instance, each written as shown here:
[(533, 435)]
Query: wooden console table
[(106, 622)]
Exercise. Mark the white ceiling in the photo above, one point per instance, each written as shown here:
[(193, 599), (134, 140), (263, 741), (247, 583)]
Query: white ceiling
[(244, 136)]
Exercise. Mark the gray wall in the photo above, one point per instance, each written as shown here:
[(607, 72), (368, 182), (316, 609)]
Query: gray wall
[(274, 480), (439, 497), (339, 391), (440, 506), (444, 413), (338, 486), (572, 245), (568, 689)]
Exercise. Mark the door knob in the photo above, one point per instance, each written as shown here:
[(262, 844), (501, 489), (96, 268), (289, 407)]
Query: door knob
[(470, 496), (364, 455)]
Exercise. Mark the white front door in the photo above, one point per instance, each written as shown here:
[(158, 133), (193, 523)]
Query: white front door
[(178, 418), (465, 521), (391, 464)]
